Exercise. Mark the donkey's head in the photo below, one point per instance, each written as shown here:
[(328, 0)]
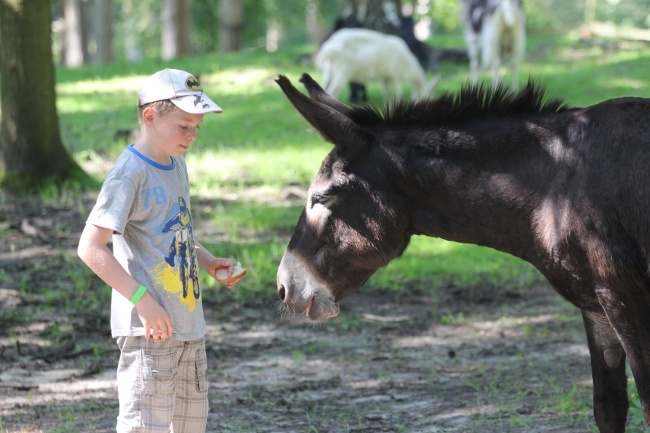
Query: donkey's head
[(352, 224)]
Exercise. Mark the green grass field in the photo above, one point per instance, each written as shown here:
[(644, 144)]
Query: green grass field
[(249, 162), (260, 141)]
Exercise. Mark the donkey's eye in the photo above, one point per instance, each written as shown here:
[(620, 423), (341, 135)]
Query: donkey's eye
[(325, 200)]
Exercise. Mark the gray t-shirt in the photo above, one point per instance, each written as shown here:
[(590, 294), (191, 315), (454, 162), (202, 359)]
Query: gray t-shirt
[(147, 205)]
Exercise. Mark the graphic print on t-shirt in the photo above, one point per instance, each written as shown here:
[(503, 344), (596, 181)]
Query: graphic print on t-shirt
[(181, 255)]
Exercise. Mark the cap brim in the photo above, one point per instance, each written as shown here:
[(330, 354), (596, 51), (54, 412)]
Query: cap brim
[(197, 104)]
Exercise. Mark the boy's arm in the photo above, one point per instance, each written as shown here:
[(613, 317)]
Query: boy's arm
[(94, 252), (211, 263)]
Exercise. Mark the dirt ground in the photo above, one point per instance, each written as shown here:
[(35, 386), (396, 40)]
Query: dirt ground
[(507, 359)]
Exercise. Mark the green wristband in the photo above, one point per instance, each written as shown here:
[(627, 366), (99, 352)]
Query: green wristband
[(138, 294)]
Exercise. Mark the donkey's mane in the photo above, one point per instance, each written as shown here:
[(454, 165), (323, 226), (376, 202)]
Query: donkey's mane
[(470, 103)]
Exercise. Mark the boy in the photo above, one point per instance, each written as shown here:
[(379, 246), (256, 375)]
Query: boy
[(156, 311)]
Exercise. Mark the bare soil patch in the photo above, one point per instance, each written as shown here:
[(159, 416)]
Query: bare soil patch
[(510, 359)]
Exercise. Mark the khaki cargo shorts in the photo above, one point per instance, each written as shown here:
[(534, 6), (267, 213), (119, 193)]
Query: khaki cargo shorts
[(162, 387)]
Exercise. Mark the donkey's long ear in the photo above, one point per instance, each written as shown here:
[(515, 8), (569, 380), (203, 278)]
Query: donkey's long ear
[(334, 126), (317, 93)]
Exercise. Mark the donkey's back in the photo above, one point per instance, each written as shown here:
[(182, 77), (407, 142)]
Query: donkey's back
[(563, 188)]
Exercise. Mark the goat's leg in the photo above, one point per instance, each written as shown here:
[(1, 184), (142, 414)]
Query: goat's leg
[(495, 65), (327, 78), (393, 90), (472, 41), (357, 93), (515, 62), (388, 89), (629, 317), (515, 74), (491, 50), (518, 51), (335, 84), (608, 373)]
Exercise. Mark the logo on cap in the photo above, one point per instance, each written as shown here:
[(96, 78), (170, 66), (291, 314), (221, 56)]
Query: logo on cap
[(198, 99), (193, 84)]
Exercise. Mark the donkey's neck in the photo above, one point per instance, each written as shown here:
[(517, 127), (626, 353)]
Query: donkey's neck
[(475, 187)]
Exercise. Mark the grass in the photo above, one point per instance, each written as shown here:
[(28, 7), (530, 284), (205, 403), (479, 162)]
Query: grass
[(260, 143)]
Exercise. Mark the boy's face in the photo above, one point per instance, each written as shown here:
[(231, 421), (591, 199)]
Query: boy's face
[(172, 133)]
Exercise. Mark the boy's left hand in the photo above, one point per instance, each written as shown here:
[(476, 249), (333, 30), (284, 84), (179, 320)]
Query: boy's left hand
[(219, 263)]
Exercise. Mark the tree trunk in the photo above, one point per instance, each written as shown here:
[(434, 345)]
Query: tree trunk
[(104, 31), (132, 41), (317, 32), (74, 41), (380, 15), (590, 11), (175, 17), (231, 26), (31, 150)]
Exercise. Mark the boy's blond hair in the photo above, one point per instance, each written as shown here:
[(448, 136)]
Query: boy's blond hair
[(160, 107)]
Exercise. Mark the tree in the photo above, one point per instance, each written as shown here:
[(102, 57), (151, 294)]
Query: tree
[(316, 31), (231, 26), (31, 149), (590, 11), (75, 46), (176, 20), (383, 16), (104, 31)]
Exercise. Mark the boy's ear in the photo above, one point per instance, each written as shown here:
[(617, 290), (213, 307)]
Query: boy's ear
[(147, 115)]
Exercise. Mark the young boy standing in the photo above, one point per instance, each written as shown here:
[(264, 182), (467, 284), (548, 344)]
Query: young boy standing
[(156, 311)]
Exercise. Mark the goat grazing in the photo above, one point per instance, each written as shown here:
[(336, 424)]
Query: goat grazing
[(363, 56), (494, 28)]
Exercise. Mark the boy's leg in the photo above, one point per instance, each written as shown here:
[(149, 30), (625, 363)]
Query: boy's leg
[(191, 411), (146, 376)]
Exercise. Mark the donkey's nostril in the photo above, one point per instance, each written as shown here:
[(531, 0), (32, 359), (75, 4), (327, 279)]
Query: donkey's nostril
[(281, 293)]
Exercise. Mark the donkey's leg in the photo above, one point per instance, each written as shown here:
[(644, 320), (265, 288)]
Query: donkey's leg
[(629, 317), (608, 373)]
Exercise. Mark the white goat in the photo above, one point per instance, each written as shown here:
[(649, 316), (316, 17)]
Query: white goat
[(363, 56), (495, 28)]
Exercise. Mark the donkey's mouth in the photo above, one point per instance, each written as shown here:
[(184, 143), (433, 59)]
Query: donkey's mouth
[(308, 308), (303, 294), (321, 308)]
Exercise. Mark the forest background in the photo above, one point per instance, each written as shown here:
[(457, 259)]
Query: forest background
[(449, 337)]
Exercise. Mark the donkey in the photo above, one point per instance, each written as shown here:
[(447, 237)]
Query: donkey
[(562, 188), (494, 28)]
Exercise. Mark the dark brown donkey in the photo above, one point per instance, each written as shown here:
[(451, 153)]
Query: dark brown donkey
[(565, 189)]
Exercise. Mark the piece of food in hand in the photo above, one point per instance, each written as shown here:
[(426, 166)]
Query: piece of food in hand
[(222, 274)]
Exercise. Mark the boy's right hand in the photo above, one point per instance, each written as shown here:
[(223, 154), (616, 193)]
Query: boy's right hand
[(156, 321)]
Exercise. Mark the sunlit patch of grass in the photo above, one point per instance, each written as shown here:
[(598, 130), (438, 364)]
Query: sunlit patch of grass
[(281, 165), (442, 263), (246, 82), (636, 422), (100, 85), (260, 142), (260, 259)]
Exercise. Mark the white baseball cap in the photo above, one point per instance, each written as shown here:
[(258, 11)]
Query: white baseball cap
[(180, 87)]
